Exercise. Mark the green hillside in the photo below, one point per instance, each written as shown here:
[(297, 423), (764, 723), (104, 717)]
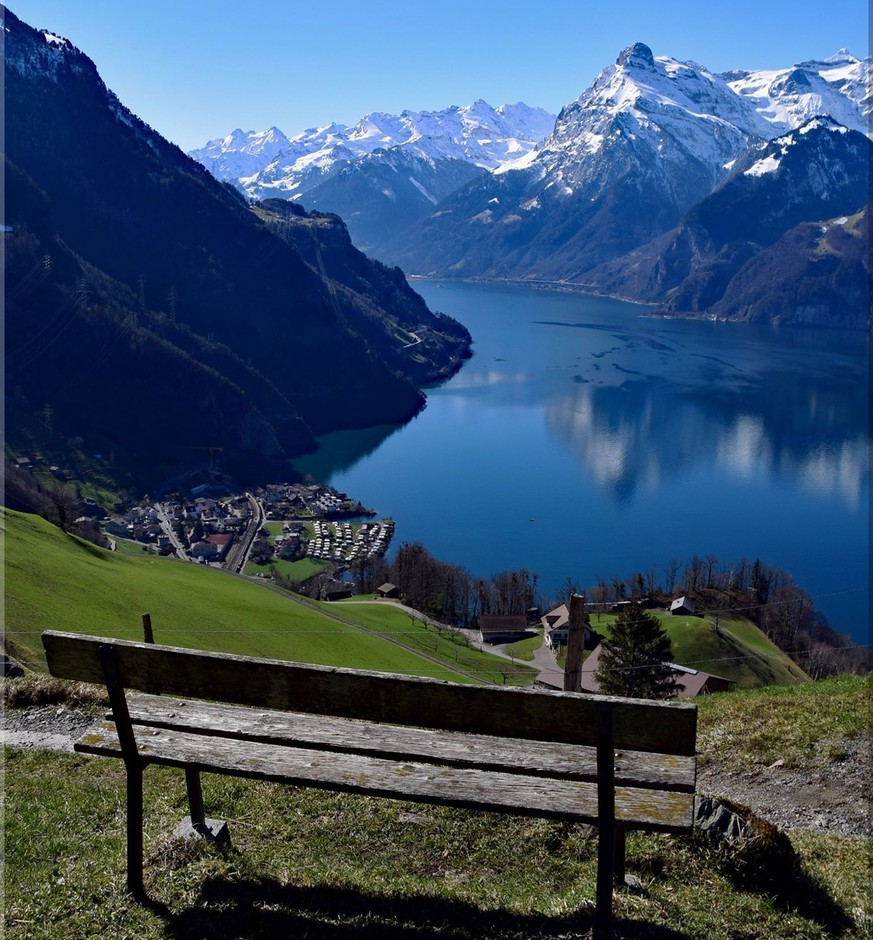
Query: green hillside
[(737, 650), (56, 581)]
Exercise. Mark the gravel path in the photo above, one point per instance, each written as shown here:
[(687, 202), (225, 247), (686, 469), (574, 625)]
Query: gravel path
[(834, 799), (50, 727)]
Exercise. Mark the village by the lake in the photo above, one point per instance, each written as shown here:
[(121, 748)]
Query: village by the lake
[(298, 529)]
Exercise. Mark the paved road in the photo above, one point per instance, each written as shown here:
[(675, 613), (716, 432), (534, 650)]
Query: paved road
[(240, 552), (170, 532)]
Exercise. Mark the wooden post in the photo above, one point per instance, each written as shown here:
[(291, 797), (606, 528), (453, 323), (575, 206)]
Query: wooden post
[(575, 644), (147, 628), (606, 837), (195, 797)]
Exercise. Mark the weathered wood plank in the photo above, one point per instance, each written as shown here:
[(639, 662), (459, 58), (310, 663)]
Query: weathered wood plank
[(241, 680), (518, 794), (549, 759)]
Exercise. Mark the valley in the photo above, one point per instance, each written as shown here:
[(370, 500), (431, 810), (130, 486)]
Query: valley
[(262, 333), (388, 394)]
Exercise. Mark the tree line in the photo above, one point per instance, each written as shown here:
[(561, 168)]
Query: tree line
[(765, 594), (762, 593)]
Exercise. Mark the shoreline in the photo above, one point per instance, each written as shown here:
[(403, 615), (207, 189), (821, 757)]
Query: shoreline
[(655, 311)]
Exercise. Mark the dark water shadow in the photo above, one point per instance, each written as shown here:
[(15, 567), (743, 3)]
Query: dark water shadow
[(265, 909)]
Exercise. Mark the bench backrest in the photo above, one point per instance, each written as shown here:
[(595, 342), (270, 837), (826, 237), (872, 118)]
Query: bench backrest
[(659, 727)]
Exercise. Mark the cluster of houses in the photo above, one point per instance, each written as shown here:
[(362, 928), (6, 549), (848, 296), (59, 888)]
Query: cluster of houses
[(314, 501), (208, 526), (339, 542)]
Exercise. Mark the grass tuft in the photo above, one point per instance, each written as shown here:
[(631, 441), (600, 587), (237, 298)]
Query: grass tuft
[(35, 689)]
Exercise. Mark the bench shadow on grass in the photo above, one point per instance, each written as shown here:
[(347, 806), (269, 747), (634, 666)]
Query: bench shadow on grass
[(232, 910)]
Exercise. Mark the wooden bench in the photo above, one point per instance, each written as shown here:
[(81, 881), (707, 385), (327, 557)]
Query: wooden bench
[(617, 763)]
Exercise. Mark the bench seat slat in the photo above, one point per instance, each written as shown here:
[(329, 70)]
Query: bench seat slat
[(519, 794), (548, 759)]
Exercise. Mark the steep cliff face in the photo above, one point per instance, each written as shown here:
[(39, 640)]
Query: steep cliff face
[(427, 346), (198, 269)]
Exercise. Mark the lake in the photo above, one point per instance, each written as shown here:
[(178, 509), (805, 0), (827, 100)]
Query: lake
[(586, 439)]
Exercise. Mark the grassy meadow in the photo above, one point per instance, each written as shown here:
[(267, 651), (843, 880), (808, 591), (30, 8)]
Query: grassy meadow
[(391, 620), (736, 649)]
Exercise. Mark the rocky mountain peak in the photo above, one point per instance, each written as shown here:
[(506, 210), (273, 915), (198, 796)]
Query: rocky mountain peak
[(639, 55)]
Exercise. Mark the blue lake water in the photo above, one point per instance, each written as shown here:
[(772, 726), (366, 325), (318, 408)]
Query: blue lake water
[(584, 439)]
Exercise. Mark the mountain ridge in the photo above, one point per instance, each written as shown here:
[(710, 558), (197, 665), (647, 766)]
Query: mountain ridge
[(274, 163), (651, 139), (142, 237)]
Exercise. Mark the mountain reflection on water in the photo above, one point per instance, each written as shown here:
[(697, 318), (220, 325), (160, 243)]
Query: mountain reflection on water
[(587, 439), (631, 437)]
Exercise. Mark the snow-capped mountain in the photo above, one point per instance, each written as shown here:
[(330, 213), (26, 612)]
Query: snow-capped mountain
[(268, 163), (649, 139), (241, 153), (384, 173), (681, 119), (786, 98), (676, 123)]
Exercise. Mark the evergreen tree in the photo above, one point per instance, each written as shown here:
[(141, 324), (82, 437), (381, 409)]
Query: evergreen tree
[(632, 659)]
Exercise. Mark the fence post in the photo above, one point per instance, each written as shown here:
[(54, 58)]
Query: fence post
[(147, 628), (575, 644)]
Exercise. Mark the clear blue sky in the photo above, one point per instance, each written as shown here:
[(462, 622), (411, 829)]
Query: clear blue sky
[(196, 69)]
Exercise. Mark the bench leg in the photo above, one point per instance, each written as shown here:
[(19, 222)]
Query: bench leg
[(620, 852), (606, 858), (197, 825), (134, 831), (607, 829)]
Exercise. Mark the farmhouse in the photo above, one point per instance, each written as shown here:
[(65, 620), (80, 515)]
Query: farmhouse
[(682, 606), (502, 628), (556, 625)]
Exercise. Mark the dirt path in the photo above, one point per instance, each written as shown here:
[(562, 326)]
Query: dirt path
[(832, 799)]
